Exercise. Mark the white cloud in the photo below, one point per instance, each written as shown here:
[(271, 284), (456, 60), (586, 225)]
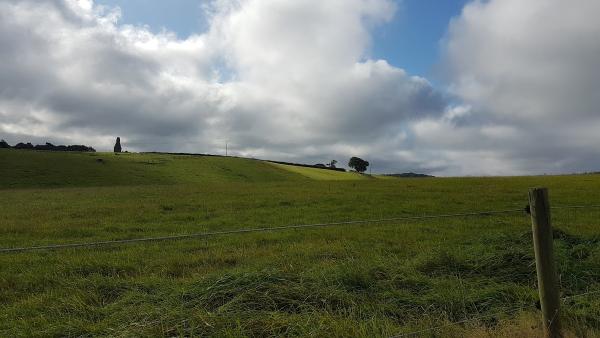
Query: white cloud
[(293, 80), (530, 72), (277, 79), (527, 60)]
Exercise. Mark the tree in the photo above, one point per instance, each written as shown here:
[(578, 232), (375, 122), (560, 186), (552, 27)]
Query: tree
[(22, 145), (358, 164), (3, 144), (332, 164)]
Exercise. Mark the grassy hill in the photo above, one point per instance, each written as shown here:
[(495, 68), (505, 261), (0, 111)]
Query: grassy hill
[(23, 168), (322, 174), (364, 280)]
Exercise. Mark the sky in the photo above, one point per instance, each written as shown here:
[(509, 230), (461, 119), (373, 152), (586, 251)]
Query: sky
[(411, 39), (450, 88)]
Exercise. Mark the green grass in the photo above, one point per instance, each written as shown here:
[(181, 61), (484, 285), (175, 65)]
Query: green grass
[(25, 169), (322, 174), (355, 280)]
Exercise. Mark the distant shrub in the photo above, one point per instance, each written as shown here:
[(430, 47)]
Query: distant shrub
[(78, 147), (4, 145), (51, 147), (410, 175), (318, 166), (21, 145), (47, 146)]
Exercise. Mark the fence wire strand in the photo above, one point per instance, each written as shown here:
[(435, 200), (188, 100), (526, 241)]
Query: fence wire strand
[(580, 295), (277, 228), (252, 230), (593, 206), (508, 311)]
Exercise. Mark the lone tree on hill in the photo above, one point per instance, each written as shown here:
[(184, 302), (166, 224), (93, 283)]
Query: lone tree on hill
[(358, 164), (3, 144)]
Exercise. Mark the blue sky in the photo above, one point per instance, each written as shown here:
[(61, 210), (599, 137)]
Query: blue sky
[(184, 17), (410, 41)]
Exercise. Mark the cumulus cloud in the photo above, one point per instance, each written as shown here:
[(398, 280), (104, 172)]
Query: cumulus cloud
[(69, 71), (530, 74), (293, 80), (276, 79)]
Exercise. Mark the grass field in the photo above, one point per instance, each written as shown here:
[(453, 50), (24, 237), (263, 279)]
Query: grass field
[(321, 174), (368, 280)]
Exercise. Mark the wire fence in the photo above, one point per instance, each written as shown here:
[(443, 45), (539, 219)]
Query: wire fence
[(564, 217), (56, 246), (561, 218), (254, 230)]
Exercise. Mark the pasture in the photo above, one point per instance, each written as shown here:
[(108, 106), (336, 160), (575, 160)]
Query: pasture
[(376, 279)]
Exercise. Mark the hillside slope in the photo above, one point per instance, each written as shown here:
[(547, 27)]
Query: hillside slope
[(37, 169), (376, 279), (321, 174)]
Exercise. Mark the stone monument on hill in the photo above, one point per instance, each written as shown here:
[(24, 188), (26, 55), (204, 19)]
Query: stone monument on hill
[(118, 145)]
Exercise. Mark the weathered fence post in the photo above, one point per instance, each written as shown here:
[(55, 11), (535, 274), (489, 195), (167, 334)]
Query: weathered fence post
[(544, 261)]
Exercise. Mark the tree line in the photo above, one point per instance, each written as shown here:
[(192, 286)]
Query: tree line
[(355, 163), (48, 147)]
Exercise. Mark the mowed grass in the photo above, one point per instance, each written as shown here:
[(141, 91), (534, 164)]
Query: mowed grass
[(367, 280), (322, 174)]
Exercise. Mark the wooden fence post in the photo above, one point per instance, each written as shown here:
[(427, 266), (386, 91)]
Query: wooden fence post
[(544, 261)]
